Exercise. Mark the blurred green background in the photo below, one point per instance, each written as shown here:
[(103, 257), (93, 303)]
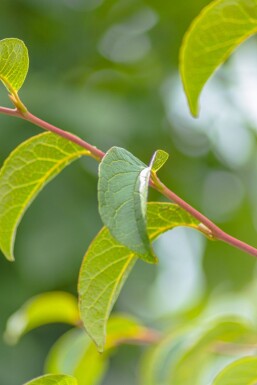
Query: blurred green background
[(108, 71)]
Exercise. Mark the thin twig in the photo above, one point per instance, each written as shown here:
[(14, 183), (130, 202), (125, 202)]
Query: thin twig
[(212, 230)]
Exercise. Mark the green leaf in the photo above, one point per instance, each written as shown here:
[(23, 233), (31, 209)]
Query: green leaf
[(194, 346), (121, 329), (216, 333), (14, 63), (221, 27), (75, 354), (107, 265), (53, 379), (66, 352), (240, 372), (122, 195), (25, 172), (40, 310), (159, 158)]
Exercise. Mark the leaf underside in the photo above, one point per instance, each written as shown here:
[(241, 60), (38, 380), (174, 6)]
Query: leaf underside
[(122, 195), (220, 28)]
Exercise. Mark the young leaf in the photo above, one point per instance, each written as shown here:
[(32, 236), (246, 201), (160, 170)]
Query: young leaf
[(159, 158), (53, 379), (107, 265), (40, 310), (14, 63), (122, 195), (221, 27), (25, 172), (240, 372)]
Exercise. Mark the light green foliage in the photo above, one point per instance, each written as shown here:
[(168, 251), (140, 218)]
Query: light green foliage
[(240, 372), (159, 158), (14, 63), (25, 172), (66, 352), (214, 34), (53, 379), (40, 310), (205, 349), (196, 346), (122, 328), (75, 354), (122, 194), (107, 264)]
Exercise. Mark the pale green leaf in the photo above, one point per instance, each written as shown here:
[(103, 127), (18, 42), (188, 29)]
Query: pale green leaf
[(107, 265), (25, 172), (216, 334), (194, 345), (240, 372), (40, 310), (75, 354), (220, 28), (92, 367), (122, 195), (159, 158), (53, 379), (122, 329), (14, 63), (66, 352)]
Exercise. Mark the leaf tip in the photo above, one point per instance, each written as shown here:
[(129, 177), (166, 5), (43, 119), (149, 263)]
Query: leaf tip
[(9, 257)]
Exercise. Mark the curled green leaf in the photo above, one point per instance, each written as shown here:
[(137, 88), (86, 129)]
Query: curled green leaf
[(122, 195), (41, 310)]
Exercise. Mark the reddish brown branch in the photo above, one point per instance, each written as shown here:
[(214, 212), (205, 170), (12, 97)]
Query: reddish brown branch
[(211, 229)]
